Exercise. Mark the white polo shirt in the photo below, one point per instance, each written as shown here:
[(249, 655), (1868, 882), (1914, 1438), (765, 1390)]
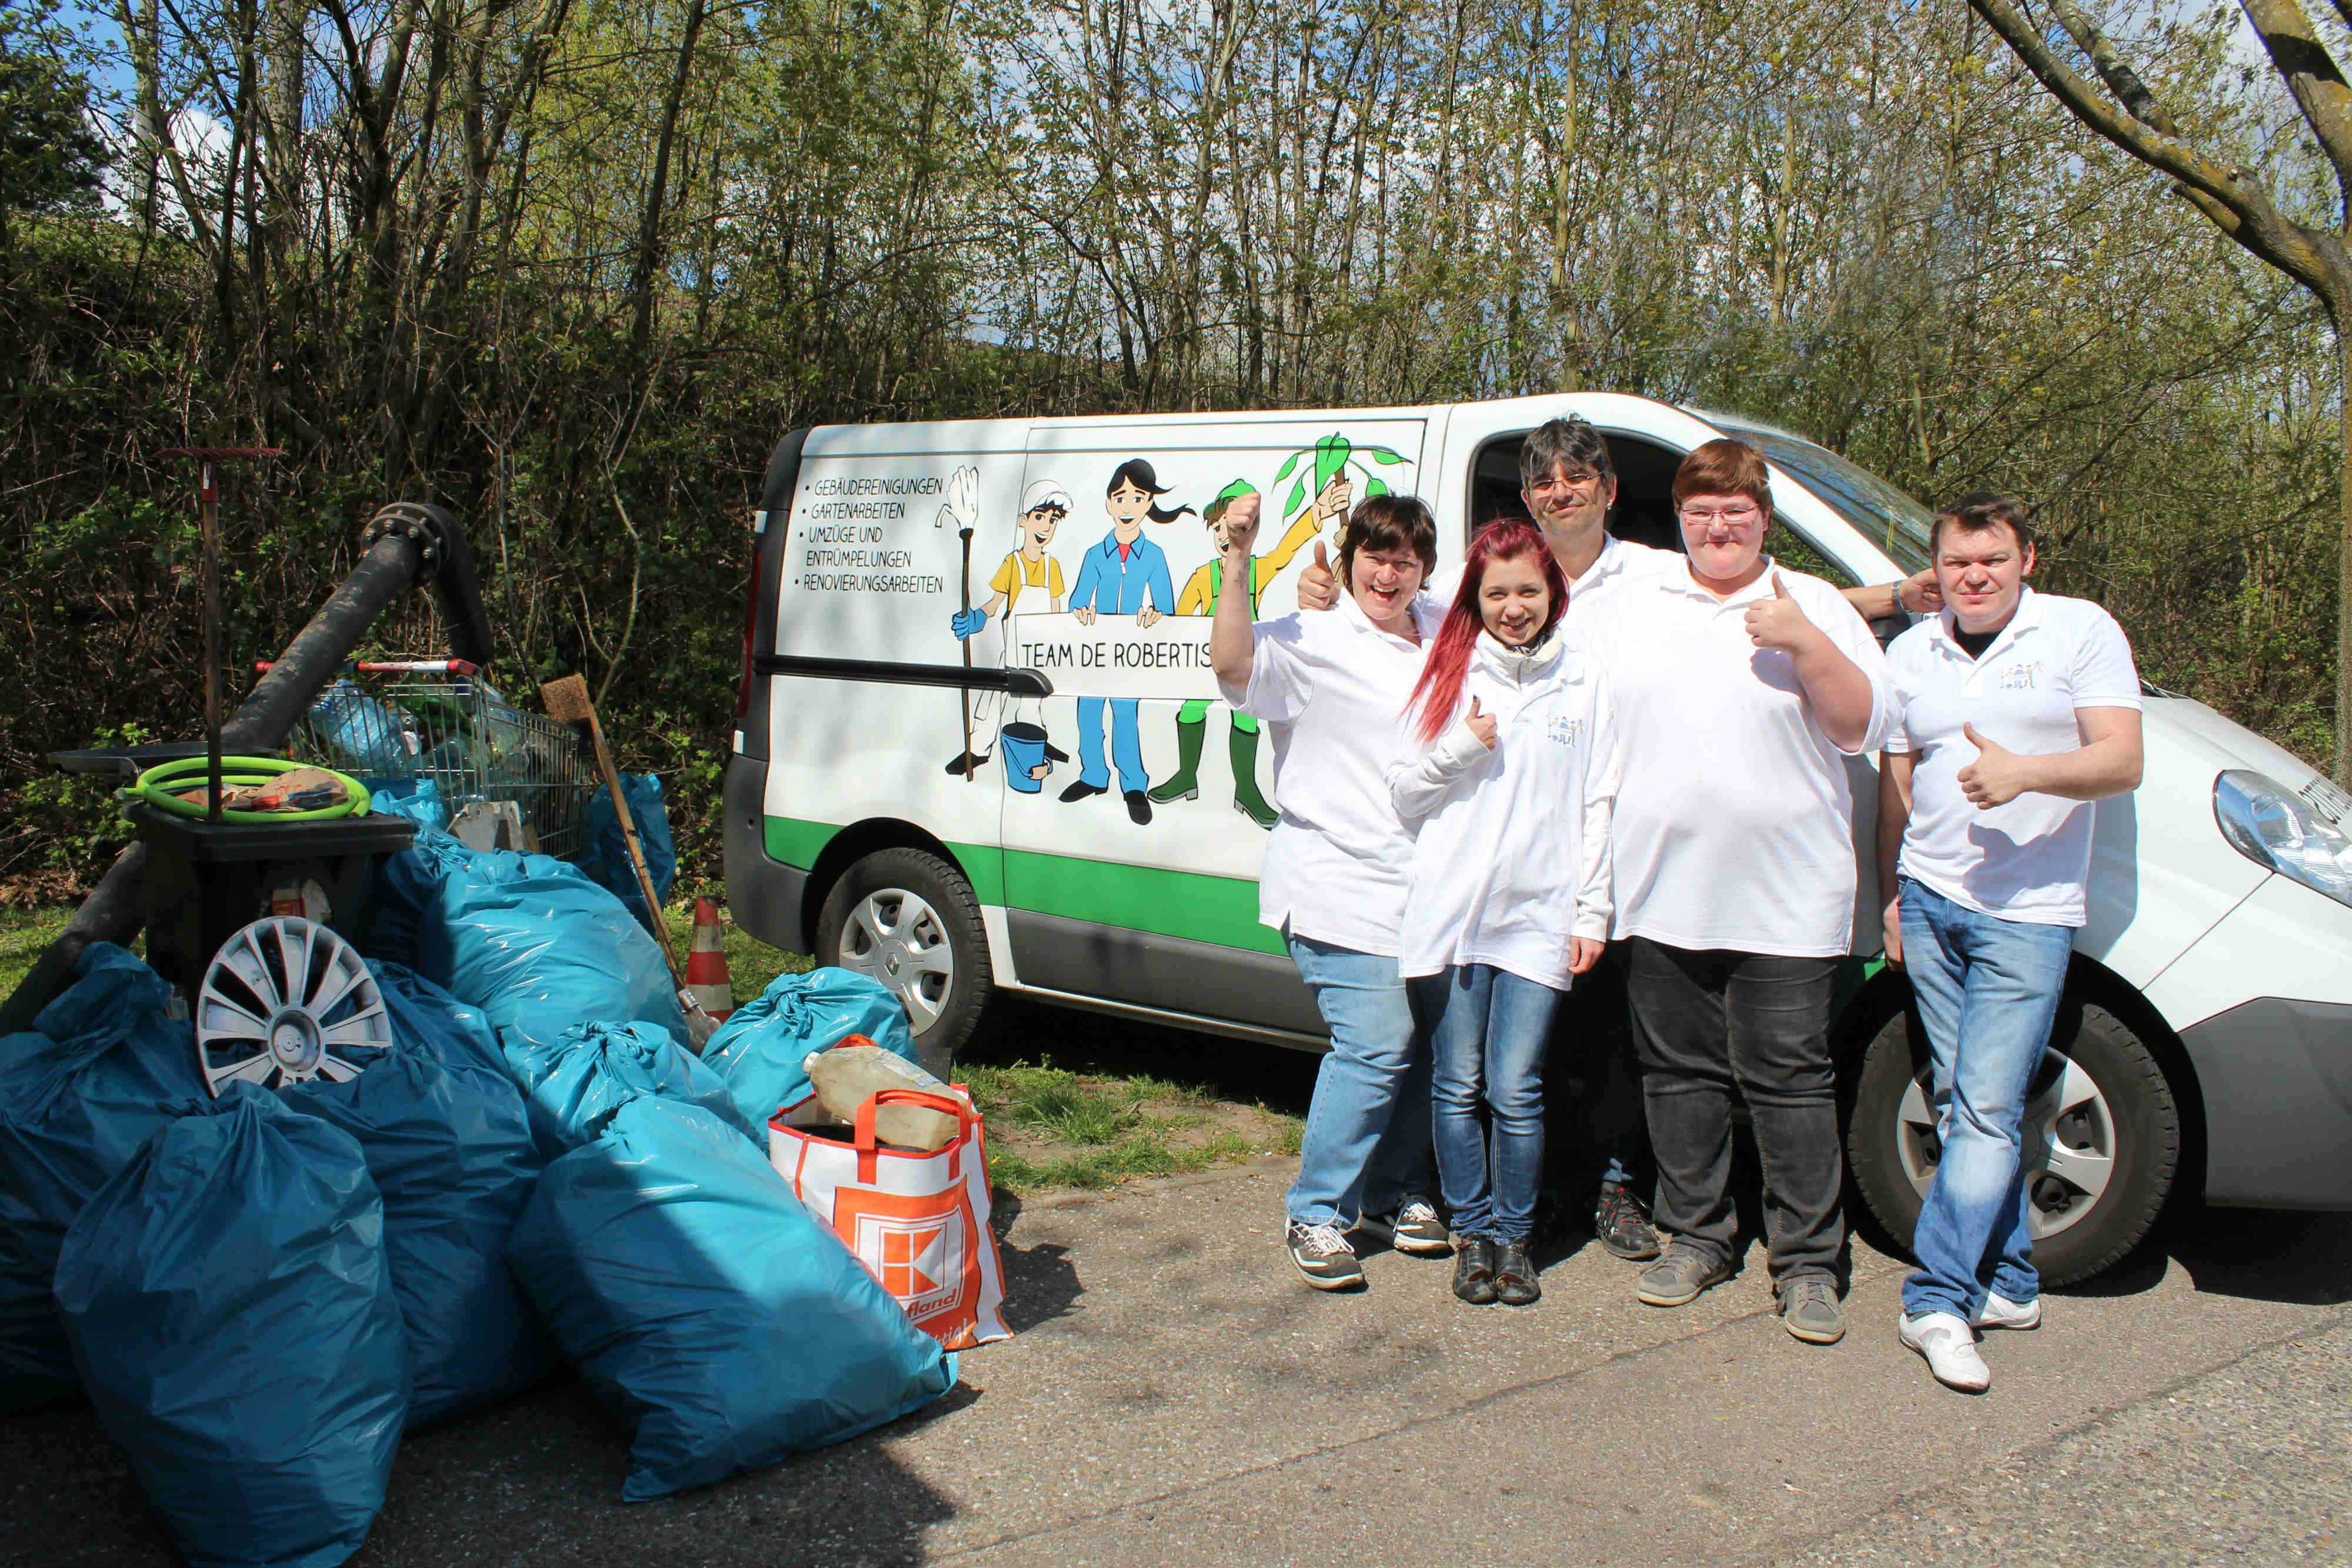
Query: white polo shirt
[(1331, 687), (2026, 860), (1511, 860), (1734, 824)]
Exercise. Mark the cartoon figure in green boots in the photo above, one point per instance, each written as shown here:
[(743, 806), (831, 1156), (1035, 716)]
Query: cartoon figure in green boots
[(1199, 597)]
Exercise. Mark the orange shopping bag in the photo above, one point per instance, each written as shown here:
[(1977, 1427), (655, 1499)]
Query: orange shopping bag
[(917, 1221)]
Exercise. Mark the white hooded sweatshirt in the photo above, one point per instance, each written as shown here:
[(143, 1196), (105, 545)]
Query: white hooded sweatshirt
[(1512, 856)]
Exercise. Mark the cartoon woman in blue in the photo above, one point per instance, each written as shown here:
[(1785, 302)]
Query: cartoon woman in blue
[(1126, 574)]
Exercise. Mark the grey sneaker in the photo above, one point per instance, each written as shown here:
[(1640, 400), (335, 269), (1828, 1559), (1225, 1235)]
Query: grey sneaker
[(1411, 1226), (1676, 1278), (1810, 1311), (1324, 1257)]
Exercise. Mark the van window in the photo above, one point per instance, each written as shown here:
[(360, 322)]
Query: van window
[(1644, 512), (1879, 512)]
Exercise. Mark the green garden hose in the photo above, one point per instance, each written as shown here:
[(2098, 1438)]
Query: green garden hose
[(158, 786)]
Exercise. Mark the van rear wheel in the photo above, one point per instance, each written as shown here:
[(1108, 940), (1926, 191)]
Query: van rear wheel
[(909, 920)]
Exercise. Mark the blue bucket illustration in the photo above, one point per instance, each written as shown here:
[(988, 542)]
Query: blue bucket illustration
[(1023, 747)]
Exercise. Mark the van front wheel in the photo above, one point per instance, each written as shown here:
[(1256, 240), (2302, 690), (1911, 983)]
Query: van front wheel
[(2103, 1135), (909, 920)]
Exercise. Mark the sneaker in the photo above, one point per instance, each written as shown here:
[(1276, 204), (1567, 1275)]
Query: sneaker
[(1809, 1309), (1623, 1225), (1474, 1270), (1676, 1278), (1950, 1349), (2001, 1313), (1515, 1275), (1324, 1256), (1411, 1226)]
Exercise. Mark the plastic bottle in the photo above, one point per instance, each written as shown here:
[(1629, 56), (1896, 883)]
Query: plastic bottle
[(856, 1070)]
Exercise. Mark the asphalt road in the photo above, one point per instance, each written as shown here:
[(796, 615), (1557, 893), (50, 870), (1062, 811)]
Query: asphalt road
[(1175, 1396)]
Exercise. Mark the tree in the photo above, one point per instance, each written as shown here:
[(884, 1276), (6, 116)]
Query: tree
[(49, 157), (2220, 183)]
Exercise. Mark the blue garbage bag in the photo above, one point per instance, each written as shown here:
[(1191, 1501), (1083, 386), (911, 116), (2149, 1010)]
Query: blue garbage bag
[(418, 799), (594, 1069), (233, 1317), (431, 1022), (605, 857), (452, 1156), (717, 1320), (527, 938), (101, 1071), (360, 732), (759, 1049)]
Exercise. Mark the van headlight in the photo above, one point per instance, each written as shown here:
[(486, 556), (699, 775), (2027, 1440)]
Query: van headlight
[(2277, 830)]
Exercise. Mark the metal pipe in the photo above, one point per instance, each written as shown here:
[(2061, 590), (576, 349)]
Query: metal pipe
[(117, 907)]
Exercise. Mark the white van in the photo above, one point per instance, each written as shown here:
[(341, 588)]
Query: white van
[(1057, 804)]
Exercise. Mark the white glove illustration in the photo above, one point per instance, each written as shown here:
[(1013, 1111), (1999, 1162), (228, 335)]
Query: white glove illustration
[(962, 505)]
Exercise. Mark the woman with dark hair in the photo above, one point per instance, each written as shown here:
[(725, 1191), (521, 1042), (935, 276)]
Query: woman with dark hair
[(1133, 487), (1509, 892), (1332, 690), (1742, 689)]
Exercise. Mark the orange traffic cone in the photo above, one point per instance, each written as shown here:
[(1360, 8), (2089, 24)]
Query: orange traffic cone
[(705, 963)]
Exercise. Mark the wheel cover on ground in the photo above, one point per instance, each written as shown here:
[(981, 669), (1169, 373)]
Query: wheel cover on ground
[(894, 937), (2069, 1146)]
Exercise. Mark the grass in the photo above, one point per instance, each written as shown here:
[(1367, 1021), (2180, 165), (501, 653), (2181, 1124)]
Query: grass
[(1049, 1126), (1080, 1115)]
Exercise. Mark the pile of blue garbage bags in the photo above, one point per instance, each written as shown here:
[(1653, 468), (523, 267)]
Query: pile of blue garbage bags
[(275, 1285)]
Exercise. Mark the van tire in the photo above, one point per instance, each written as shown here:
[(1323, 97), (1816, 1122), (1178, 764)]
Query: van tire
[(924, 915), (2135, 1118)]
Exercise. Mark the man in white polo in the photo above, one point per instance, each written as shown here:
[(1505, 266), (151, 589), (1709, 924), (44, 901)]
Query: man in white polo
[(2018, 709)]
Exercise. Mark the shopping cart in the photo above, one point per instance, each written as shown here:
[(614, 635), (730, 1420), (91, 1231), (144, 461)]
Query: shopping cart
[(435, 719)]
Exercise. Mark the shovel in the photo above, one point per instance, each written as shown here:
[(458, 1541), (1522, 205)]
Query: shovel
[(567, 703)]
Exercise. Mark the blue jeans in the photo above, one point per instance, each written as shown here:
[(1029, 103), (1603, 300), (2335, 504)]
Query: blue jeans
[(1988, 990), (1126, 744), (1487, 1031), (1366, 1147)]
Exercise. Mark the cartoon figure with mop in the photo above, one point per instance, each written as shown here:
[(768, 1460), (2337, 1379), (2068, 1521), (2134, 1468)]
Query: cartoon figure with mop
[(1199, 597), (1026, 568)]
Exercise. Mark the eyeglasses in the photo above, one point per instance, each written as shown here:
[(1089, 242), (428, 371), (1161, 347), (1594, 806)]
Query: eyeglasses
[(1580, 479), (1734, 516)]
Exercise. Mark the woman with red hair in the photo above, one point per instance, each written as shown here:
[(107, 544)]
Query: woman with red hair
[(1508, 895)]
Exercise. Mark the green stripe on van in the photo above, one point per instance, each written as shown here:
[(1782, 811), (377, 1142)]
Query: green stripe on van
[(1199, 908)]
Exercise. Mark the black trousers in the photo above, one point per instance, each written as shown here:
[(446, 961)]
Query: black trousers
[(1713, 1026), (1598, 1130)]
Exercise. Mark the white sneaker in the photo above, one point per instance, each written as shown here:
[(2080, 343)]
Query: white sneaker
[(2001, 1313), (1950, 1349)]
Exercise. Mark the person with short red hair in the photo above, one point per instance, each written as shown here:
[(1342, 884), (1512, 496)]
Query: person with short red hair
[(1741, 689)]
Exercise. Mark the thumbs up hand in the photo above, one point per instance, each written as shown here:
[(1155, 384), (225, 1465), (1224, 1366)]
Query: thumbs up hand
[(1317, 589), (1778, 622), (1482, 725), (1997, 777)]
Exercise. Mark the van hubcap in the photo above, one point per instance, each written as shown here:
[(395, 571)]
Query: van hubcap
[(895, 939), (2070, 1144)]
